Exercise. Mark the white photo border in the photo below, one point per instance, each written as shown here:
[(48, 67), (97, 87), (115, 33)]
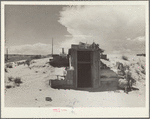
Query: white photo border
[(73, 112)]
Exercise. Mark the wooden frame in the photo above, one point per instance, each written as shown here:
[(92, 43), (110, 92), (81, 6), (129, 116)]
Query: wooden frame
[(95, 66)]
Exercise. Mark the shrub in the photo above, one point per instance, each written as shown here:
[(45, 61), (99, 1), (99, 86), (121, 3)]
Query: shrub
[(6, 60), (10, 78), (133, 81), (143, 71), (17, 80), (120, 66), (33, 62), (6, 70), (8, 86), (139, 63), (142, 66), (137, 71), (37, 57), (28, 62), (48, 99), (125, 57), (9, 65)]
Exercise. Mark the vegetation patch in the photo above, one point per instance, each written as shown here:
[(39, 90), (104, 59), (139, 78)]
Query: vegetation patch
[(9, 65), (37, 57), (28, 61), (143, 71), (8, 86), (17, 80)]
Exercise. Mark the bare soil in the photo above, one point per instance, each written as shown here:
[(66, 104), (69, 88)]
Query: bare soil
[(34, 89)]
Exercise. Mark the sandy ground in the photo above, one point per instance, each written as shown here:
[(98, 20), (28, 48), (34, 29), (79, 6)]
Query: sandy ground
[(35, 88)]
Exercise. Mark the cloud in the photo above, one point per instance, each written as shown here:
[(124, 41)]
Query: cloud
[(110, 26), (140, 38), (122, 51), (35, 49), (129, 39), (77, 36)]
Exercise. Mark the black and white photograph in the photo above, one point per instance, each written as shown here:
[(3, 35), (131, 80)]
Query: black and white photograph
[(66, 55)]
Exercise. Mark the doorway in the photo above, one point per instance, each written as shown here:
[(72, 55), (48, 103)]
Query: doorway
[(84, 69)]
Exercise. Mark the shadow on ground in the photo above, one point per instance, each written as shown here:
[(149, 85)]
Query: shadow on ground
[(100, 89), (108, 82)]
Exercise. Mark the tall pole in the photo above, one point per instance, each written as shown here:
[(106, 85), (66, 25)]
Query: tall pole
[(52, 46)]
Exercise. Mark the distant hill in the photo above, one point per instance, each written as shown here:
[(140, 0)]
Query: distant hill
[(17, 57)]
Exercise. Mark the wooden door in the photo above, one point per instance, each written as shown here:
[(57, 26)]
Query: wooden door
[(84, 69)]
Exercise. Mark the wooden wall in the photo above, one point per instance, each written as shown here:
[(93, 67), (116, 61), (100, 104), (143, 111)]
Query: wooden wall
[(69, 77)]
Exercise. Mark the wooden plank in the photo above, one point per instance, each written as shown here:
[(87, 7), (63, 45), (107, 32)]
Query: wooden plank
[(99, 69), (95, 68), (110, 79), (76, 75), (84, 62), (70, 77)]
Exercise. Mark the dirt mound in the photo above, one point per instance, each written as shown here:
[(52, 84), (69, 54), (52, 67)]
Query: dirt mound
[(136, 65)]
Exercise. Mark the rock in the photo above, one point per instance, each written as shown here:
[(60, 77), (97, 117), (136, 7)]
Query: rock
[(40, 89), (48, 99)]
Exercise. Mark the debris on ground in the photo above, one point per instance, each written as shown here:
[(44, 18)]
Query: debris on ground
[(48, 99)]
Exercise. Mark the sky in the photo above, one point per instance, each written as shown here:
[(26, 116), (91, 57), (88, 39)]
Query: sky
[(29, 29)]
